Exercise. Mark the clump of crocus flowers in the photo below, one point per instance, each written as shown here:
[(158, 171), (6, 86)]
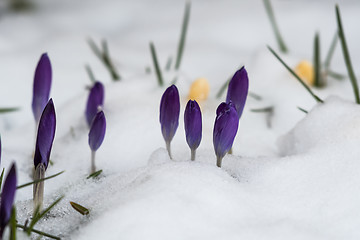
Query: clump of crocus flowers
[(96, 136), (44, 141), (7, 198)]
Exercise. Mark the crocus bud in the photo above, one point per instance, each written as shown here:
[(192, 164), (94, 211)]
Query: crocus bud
[(193, 126), (225, 129), (94, 102), (42, 85), (169, 114), (238, 90), (7, 198), (45, 135), (96, 136)]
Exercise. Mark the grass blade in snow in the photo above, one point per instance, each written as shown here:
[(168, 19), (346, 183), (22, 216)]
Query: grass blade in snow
[(318, 81), (296, 76), (7, 110), (347, 56), (81, 209), (156, 65), (39, 180), (183, 35), (271, 15)]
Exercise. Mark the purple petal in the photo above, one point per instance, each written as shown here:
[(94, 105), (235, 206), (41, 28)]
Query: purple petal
[(95, 100), (238, 90), (42, 85), (193, 124), (45, 135), (225, 129), (169, 112), (97, 131), (7, 198)]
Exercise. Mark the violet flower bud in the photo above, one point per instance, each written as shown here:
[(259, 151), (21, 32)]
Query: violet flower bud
[(169, 114), (193, 126), (45, 135), (42, 85), (97, 131), (95, 100), (238, 90), (7, 198), (96, 136), (225, 129)]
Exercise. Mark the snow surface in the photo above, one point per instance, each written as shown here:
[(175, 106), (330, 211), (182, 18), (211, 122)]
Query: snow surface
[(296, 180)]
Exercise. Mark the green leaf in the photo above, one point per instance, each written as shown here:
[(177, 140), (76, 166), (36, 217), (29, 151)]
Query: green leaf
[(7, 110), (318, 81), (303, 110), (274, 25), (81, 209), (37, 215), (335, 75), (331, 51), (90, 73), (183, 35), (223, 88), (12, 224), (38, 232), (39, 180), (1, 178), (156, 64), (296, 76), (95, 174), (347, 56)]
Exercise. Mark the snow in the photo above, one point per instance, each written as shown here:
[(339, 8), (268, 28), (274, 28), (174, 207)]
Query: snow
[(296, 180)]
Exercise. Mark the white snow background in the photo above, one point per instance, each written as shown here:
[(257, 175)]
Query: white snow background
[(298, 179)]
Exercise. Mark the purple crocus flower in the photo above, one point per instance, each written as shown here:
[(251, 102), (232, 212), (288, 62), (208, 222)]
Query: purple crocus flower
[(45, 135), (42, 85), (95, 100), (238, 90), (225, 129), (96, 135), (193, 126), (7, 198), (169, 114)]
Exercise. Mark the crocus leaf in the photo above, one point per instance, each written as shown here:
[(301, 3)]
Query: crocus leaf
[(45, 135), (81, 209), (97, 131), (42, 86)]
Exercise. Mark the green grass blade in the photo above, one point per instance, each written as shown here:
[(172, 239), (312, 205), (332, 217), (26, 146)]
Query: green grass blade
[(303, 110), (40, 180), (7, 110), (335, 75), (318, 82), (347, 56), (95, 174), (1, 177), (296, 76), (81, 209), (223, 88), (38, 232), (274, 25), (331, 51), (95, 48), (90, 73), (156, 65), (12, 224), (184, 27), (37, 216)]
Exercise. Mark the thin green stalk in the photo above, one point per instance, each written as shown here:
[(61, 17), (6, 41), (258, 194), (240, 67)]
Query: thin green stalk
[(318, 81), (347, 56), (218, 161), (183, 35), (39, 180), (38, 232), (223, 88), (335, 75), (296, 76), (7, 110), (303, 110), (331, 51), (12, 224), (274, 25), (1, 178), (156, 65), (95, 174), (90, 73), (37, 215)]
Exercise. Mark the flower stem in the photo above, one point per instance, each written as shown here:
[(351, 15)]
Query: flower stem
[(168, 148), (38, 188), (218, 161), (193, 154), (93, 168)]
